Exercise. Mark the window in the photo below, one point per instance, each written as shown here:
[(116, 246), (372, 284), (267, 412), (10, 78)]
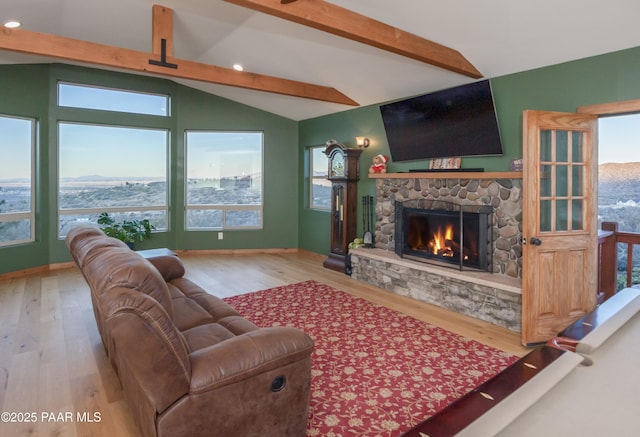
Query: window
[(89, 97), (224, 180), (320, 186), (120, 170), (114, 168), (17, 144), (619, 186)]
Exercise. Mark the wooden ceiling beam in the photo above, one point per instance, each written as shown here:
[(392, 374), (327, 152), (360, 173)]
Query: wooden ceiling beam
[(162, 29), (334, 19), (160, 61)]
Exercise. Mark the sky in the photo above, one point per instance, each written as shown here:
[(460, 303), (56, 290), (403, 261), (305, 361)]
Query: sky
[(15, 147), (619, 139), (112, 151), (223, 154), (320, 164), (106, 99)]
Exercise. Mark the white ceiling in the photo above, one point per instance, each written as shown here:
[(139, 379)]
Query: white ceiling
[(498, 37)]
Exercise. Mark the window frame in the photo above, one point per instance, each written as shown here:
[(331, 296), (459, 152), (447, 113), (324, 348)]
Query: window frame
[(114, 119), (313, 178), (116, 209), (27, 215), (223, 208), (167, 97)]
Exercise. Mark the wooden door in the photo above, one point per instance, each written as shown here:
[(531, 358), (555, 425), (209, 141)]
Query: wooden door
[(559, 221)]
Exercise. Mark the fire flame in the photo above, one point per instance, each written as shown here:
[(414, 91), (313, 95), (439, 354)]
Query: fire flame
[(441, 242), (440, 238)]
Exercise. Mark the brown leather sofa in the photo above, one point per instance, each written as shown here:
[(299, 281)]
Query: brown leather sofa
[(188, 363)]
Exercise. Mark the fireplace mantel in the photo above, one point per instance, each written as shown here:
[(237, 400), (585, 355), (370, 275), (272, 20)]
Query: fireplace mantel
[(450, 175)]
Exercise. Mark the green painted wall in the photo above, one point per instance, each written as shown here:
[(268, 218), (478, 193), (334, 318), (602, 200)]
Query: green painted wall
[(30, 90), (344, 127), (198, 110), (563, 87), (24, 93)]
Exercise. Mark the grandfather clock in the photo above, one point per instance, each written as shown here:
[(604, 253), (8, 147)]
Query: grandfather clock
[(343, 174)]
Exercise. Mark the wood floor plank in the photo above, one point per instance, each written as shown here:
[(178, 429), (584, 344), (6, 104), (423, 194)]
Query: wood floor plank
[(28, 329), (51, 323), (90, 405), (118, 414), (11, 294), (22, 395), (55, 401), (52, 358)]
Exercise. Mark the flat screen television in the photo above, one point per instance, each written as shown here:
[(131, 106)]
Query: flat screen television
[(455, 122)]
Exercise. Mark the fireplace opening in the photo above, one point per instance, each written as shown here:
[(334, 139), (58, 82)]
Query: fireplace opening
[(445, 233)]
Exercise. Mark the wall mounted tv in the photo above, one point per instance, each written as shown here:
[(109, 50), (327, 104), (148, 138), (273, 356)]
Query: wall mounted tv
[(455, 122)]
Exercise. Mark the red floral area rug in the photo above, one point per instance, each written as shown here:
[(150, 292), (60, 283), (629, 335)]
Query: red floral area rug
[(375, 371)]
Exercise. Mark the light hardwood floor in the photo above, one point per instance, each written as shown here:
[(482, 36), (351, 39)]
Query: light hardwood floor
[(53, 369)]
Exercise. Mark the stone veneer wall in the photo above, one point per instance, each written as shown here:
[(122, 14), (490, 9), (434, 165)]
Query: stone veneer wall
[(503, 194), (464, 293)]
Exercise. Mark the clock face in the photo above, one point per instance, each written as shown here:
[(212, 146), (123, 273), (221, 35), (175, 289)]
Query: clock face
[(337, 165)]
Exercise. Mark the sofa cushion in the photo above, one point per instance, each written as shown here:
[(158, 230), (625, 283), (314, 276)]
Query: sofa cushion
[(238, 325), (87, 242), (107, 262), (210, 303), (153, 356), (206, 335), (187, 313), (126, 269)]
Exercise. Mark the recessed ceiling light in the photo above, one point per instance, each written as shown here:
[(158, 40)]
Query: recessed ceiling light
[(238, 67), (12, 24)]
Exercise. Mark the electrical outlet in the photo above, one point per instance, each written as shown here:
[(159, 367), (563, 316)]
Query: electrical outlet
[(220, 235)]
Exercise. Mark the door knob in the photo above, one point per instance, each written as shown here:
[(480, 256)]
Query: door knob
[(535, 241)]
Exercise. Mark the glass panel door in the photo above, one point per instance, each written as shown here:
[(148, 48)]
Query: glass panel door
[(562, 161)]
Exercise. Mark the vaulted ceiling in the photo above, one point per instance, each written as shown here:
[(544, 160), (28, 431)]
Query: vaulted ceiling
[(318, 48)]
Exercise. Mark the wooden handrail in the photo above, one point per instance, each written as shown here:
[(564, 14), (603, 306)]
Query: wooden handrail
[(630, 239), (608, 239)]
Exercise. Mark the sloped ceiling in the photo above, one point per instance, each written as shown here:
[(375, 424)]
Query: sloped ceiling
[(498, 37)]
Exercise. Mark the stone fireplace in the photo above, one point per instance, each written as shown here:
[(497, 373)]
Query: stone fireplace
[(489, 286)]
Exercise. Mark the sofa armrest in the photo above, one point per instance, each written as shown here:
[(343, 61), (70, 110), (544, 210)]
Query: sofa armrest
[(165, 261), (246, 355)]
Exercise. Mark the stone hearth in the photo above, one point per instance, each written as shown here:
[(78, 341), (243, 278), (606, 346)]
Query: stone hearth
[(493, 298)]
